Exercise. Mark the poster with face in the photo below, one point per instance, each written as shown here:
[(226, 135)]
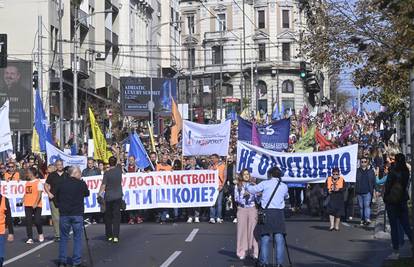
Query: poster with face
[(16, 86)]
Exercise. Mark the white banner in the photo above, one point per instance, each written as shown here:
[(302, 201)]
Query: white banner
[(298, 167), (206, 139), (5, 133), (177, 189), (53, 154)]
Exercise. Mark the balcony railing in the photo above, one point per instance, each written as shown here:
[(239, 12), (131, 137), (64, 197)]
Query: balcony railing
[(216, 36)]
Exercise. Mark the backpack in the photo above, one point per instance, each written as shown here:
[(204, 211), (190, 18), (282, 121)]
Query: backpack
[(396, 194)]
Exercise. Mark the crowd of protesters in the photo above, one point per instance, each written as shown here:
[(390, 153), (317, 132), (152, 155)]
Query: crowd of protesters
[(378, 148)]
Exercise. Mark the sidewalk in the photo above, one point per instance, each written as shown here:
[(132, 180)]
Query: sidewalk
[(382, 231)]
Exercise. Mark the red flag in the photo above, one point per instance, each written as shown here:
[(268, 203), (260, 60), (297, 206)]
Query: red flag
[(321, 140)]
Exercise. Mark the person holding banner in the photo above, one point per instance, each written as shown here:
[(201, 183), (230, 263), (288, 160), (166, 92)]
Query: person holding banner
[(193, 212), (246, 218), (274, 192), (335, 185), (32, 201), (215, 211)]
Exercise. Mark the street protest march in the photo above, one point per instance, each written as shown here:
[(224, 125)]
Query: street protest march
[(178, 189), (298, 167)]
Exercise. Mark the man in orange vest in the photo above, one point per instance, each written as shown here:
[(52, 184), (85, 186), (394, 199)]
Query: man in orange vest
[(5, 221), (215, 211)]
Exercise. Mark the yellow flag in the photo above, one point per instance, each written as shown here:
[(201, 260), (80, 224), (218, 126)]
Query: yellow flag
[(35, 142), (99, 142), (151, 133), (178, 124)]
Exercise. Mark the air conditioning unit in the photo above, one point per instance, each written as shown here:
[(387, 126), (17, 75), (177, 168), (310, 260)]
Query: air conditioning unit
[(100, 56)]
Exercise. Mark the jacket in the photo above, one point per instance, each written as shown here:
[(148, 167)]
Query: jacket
[(365, 181)]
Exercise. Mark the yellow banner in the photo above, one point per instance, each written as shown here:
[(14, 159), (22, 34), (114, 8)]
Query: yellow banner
[(99, 142), (35, 142)]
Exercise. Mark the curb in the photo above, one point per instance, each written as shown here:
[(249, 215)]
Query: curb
[(379, 232)]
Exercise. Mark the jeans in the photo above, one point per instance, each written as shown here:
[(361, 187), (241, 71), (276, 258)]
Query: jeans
[(215, 211), (265, 241), (66, 224), (2, 246), (29, 212), (112, 218), (399, 222), (364, 201)]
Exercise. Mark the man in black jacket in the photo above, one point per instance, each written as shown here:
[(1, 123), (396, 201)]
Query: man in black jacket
[(70, 199), (364, 187)]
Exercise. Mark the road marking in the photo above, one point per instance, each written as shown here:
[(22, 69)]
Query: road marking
[(192, 235), (171, 259), (346, 224), (18, 257)]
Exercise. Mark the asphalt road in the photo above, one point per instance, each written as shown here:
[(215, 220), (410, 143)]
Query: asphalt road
[(149, 244)]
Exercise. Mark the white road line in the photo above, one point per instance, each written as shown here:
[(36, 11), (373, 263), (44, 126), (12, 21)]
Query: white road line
[(192, 235), (171, 259), (18, 257)]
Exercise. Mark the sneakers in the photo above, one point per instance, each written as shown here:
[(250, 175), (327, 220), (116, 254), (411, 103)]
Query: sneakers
[(235, 220), (197, 220), (110, 239), (57, 239), (190, 220), (116, 240), (29, 241), (362, 223), (131, 221), (212, 221), (41, 238), (219, 220), (368, 222), (394, 256)]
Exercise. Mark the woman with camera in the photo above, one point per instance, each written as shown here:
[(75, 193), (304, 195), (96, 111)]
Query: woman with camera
[(272, 221), (32, 201), (246, 218), (335, 185)]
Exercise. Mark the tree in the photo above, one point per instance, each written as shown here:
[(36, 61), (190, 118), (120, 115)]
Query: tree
[(373, 37)]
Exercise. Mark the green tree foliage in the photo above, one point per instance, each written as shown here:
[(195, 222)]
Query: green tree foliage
[(373, 37)]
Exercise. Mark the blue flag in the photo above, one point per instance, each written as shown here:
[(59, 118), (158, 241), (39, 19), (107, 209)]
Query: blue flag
[(137, 150), (275, 113), (41, 124), (73, 150)]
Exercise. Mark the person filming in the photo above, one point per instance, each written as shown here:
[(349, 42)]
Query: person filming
[(274, 193)]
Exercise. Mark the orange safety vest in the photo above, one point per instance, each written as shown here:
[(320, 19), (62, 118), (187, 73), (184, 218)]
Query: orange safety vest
[(339, 184), (162, 167), (31, 193), (12, 177), (3, 215), (221, 169)]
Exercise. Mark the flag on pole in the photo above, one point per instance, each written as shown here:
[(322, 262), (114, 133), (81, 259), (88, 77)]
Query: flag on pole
[(178, 123), (275, 113), (5, 133), (100, 151), (137, 150), (151, 134), (41, 124), (255, 135), (282, 112), (35, 142)]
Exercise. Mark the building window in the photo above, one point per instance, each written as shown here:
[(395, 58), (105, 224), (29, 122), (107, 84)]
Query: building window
[(191, 58), (286, 51), (262, 52), (288, 104), (217, 55), (285, 19), (261, 19), (288, 86), (190, 23), (261, 88), (221, 22)]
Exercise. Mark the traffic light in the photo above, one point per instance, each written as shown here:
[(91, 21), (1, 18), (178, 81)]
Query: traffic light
[(302, 71), (35, 80), (3, 50)]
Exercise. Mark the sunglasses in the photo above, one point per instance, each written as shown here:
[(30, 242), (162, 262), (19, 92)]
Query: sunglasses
[(10, 166), (364, 161), (335, 174)]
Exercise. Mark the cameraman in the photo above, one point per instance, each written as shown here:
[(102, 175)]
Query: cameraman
[(274, 223)]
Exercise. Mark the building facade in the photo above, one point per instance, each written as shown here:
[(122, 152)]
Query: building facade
[(253, 48)]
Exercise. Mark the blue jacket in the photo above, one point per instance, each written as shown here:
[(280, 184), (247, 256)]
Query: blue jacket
[(365, 181)]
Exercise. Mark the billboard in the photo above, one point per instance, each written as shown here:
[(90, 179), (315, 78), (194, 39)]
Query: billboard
[(16, 86), (136, 95)]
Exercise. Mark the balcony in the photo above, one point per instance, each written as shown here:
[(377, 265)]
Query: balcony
[(222, 36), (83, 71)]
